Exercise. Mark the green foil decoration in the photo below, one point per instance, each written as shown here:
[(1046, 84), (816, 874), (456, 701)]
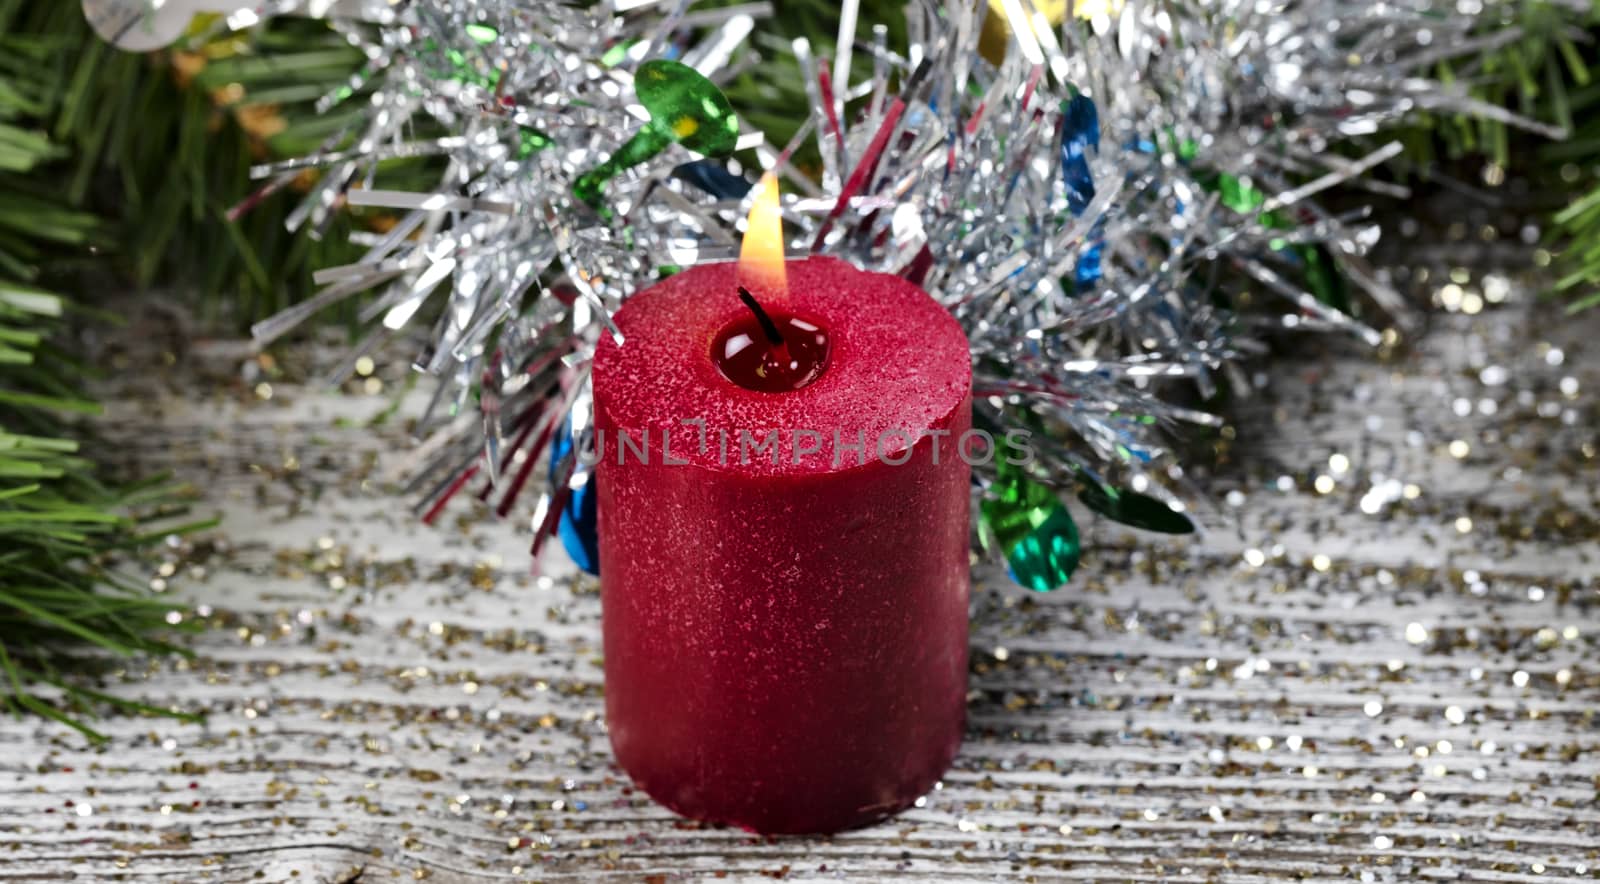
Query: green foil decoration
[(531, 141), (1033, 529), (684, 107), (1322, 277), (463, 69), (1135, 510)]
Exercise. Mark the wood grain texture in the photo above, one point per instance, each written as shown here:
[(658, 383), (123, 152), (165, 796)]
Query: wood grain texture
[(387, 701)]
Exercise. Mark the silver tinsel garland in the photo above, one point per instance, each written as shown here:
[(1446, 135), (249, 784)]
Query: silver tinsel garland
[(1091, 208)]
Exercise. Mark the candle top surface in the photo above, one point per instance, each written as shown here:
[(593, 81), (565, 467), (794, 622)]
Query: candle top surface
[(897, 365)]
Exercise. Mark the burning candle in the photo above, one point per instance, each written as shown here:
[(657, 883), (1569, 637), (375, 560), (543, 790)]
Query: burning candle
[(783, 536)]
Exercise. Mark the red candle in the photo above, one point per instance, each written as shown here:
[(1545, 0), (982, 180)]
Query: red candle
[(783, 543)]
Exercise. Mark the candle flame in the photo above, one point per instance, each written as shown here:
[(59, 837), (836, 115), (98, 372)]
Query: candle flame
[(761, 255)]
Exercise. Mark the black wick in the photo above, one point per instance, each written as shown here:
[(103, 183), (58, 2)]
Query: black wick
[(767, 325)]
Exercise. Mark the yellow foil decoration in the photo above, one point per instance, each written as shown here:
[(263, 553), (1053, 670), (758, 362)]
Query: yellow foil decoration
[(996, 34)]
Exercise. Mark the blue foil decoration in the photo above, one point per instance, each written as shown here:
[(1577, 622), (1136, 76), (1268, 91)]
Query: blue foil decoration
[(713, 178), (1081, 134), (576, 527), (1087, 271)]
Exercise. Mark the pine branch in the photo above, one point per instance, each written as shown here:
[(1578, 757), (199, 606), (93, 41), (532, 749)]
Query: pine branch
[(61, 525), (60, 528)]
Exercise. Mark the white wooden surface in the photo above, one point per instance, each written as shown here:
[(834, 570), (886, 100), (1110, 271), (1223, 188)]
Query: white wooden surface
[(1175, 714)]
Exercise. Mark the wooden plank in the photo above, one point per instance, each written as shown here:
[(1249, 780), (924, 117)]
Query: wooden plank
[(389, 701)]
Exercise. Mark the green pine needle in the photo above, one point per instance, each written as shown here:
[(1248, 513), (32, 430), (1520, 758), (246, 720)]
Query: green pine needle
[(63, 614), (59, 528)]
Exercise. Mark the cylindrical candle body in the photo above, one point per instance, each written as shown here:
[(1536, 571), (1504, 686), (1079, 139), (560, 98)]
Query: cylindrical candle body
[(785, 630)]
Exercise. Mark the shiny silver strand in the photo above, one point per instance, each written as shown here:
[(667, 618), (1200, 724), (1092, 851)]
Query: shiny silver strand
[(1096, 208)]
